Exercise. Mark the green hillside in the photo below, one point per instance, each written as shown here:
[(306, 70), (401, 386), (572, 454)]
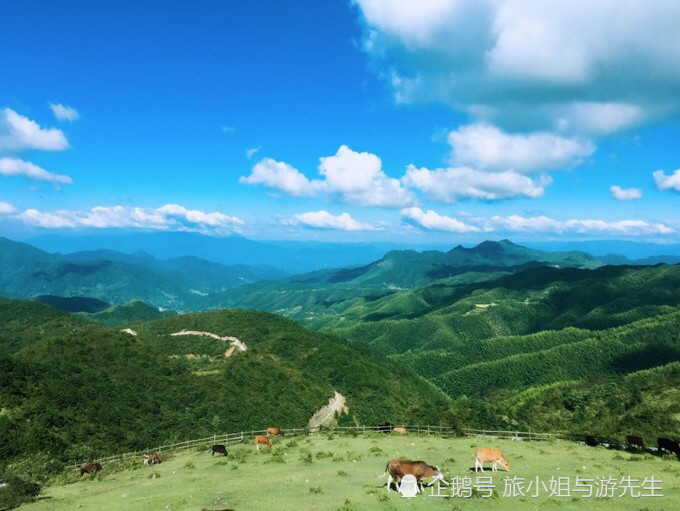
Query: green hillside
[(75, 389), (442, 316), (335, 473), (127, 314), (323, 295)]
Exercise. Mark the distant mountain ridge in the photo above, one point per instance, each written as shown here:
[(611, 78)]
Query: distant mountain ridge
[(289, 257), (117, 278)]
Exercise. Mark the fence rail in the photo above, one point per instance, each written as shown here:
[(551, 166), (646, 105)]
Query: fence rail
[(246, 436)]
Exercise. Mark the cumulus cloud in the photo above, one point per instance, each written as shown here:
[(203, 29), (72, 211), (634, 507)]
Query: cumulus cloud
[(448, 185), (6, 208), (281, 176), (348, 176), (358, 178), (484, 146), (18, 167), (431, 221), (521, 63), (64, 112), (18, 133), (167, 217), (667, 182), (625, 193), (324, 220)]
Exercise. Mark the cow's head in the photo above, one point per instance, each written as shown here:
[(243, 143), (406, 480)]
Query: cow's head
[(438, 475), (505, 464)]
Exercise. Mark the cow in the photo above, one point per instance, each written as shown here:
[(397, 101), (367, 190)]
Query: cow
[(151, 458), (636, 442), (492, 456), (275, 431), (218, 448), (262, 440), (666, 444), (397, 468), (591, 441), (90, 468), (400, 430)]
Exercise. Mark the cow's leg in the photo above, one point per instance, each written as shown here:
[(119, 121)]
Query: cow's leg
[(389, 481), (479, 463)]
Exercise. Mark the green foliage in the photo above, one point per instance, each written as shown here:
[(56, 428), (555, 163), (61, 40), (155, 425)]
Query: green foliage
[(16, 490), (79, 391)]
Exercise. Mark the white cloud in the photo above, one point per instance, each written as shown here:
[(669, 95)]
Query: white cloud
[(324, 220), (194, 216), (667, 182), (64, 112), (598, 118), (348, 176), (18, 167), (484, 146), (517, 223), (448, 185), (252, 151), (6, 208), (523, 64), (432, 221), (358, 179), (167, 217), (625, 193), (19, 133), (281, 176)]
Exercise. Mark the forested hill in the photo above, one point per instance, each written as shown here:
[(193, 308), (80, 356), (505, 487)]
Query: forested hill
[(71, 389)]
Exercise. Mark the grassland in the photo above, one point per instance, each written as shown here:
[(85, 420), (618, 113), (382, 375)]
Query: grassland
[(342, 473)]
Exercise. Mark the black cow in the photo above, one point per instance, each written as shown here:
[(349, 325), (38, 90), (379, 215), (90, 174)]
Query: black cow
[(591, 441), (666, 444), (90, 468), (219, 448), (636, 442)]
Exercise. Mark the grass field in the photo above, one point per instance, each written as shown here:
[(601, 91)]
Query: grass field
[(342, 473)]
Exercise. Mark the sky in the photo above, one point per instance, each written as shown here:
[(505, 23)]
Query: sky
[(363, 120)]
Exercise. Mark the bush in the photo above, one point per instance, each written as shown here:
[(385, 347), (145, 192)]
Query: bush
[(15, 491)]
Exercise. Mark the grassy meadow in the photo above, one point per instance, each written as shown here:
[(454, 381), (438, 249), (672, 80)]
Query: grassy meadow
[(344, 473)]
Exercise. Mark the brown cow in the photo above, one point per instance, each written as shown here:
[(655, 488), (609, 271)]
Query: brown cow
[(262, 440), (492, 456), (275, 431), (90, 468), (400, 430), (396, 469), (151, 458)]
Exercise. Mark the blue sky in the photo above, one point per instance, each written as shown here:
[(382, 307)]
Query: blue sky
[(369, 120)]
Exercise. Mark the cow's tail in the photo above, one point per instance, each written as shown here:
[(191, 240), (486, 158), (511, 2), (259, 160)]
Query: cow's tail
[(386, 472)]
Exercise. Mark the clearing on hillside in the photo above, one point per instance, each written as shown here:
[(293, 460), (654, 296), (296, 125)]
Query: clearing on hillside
[(343, 473)]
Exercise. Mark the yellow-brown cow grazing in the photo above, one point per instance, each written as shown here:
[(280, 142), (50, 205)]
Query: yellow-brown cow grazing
[(396, 469), (492, 456), (275, 431), (400, 430), (262, 440)]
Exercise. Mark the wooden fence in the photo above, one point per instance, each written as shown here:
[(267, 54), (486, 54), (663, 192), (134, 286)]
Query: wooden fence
[(247, 436)]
